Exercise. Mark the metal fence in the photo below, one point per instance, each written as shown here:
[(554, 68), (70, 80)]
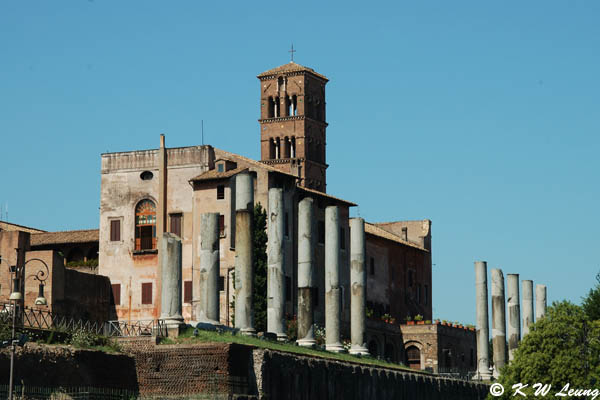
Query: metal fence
[(456, 373), (59, 393), (151, 327), (92, 393), (34, 318), (43, 319)]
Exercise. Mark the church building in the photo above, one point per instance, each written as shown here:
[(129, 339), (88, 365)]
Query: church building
[(145, 193)]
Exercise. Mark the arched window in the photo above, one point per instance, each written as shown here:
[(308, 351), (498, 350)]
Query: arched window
[(286, 147), (294, 105), (145, 225), (271, 107)]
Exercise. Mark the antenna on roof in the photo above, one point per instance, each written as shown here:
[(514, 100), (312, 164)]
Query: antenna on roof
[(202, 132), (292, 51)]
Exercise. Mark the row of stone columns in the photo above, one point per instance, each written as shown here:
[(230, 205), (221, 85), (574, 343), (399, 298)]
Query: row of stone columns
[(206, 298), (499, 316)]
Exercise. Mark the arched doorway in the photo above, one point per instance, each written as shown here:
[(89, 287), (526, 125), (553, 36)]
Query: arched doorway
[(413, 357)]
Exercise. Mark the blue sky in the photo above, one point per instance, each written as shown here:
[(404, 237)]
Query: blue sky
[(481, 116)]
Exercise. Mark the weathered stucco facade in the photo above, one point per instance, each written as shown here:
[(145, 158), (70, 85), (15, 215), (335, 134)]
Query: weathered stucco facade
[(127, 179)]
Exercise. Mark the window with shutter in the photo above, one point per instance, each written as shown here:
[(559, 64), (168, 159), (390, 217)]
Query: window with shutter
[(115, 230), (116, 294), (175, 223), (220, 192), (147, 293), (187, 291), (222, 225)]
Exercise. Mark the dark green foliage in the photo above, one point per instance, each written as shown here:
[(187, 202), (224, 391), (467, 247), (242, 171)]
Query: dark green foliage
[(5, 331), (259, 262), (89, 263), (591, 303), (563, 347)]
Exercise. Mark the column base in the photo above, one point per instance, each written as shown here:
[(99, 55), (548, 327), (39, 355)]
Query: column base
[(282, 337), (335, 347), (496, 373), (357, 350), (482, 377), (306, 342), (248, 332), (174, 327)]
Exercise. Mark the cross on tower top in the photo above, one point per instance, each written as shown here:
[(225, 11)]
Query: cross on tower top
[(292, 51)]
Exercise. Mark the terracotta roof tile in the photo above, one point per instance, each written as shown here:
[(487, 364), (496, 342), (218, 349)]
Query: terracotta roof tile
[(377, 231), (291, 67), (82, 236)]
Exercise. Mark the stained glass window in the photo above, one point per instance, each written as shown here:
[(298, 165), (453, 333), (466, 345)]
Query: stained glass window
[(145, 225)]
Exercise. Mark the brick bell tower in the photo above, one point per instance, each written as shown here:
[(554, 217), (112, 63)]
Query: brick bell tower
[(292, 123)]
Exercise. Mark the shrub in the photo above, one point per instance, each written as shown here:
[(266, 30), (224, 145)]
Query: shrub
[(85, 339)]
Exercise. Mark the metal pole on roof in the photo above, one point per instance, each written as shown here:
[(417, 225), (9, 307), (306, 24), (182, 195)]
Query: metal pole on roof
[(202, 132)]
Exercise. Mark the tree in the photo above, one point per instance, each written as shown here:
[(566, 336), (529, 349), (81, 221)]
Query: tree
[(591, 303), (563, 347), (259, 263)]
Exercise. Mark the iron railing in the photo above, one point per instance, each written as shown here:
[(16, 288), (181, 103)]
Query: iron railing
[(456, 373), (151, 327), (43, 319)]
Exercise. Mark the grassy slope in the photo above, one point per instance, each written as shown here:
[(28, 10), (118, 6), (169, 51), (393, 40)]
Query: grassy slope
[(225, 337)]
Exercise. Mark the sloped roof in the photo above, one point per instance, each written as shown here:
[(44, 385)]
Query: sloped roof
[(291, 67), (327, 196), (226, 155), (377, 231), (9, 226), (213, 174), (81, 236)]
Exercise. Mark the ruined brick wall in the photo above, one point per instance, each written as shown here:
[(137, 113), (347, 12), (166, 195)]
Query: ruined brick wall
[(67, 367), (190, 369), (241, 372), (285, 376)]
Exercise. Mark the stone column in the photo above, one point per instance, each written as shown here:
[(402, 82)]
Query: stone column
[(170, 263), (306, 334), (498, 321), (275, 261), (483, 329), (244, 191), (332, 280), (514, 314), (244, 203), (358, 287), (540, 301), (527, 306), (206, 294)]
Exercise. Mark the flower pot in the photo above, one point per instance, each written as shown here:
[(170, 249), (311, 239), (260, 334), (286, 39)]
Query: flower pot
[(410, 322), (420, 322)]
